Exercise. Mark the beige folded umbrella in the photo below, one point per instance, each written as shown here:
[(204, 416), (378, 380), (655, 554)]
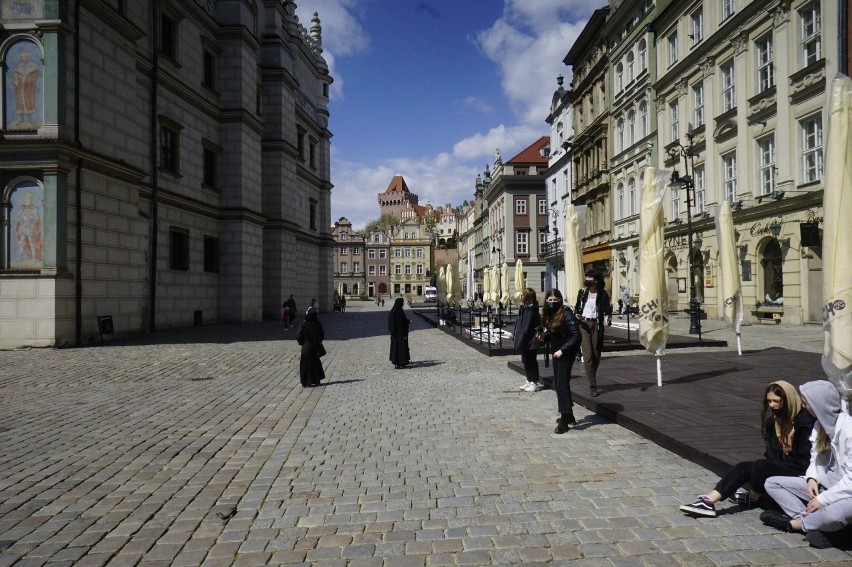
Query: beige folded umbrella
[(575, 218), (520, 284), (486, 286), (504, 284), (448, 282), (440, 283), (495, 283), (653, 291), (457, 286), (837, 238), (729, 268)]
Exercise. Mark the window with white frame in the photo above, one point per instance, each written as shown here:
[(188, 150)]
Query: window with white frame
[(766, 151), (542, 206), (674, 132), (811, 18), (371, 254), (812, 161), (420, 252), (729, 99), (356, 251), (631, 128), (371, 270), (643, 55), (408, 252), (344, 251), (383, 270), (419, 269), (698, 103), (619, 201), (631, 197), (356, 267), (696, 21), (408, 269), (643, 118), (521, 206), (397, 252), (521, 243), (397, 269), (672, 43), (727, 8), (542, 241), (630, 61), (619, 78), (344, 268), (619, 135), (383, 254), (675, 203), (729, 175), (700, 189), (765, 72)]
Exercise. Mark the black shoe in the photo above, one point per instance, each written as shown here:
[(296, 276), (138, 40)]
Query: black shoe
[(818, 539), (561, 428), (569, 418), (595, 392), (777, 520)]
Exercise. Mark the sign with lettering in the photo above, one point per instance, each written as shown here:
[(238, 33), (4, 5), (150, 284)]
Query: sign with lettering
[(21, 9), (676, 242)]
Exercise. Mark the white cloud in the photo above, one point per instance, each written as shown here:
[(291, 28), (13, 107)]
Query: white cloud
[(479, 104)]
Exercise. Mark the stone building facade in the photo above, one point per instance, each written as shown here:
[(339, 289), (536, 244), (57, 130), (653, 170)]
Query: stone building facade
[(349, 261), (162, 175)]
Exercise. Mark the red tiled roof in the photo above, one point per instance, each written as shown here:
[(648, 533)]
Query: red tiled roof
[(397, 185), (532, 155)]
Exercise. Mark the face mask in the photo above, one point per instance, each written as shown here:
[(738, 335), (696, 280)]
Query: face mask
[(552, 307), (589, 283)]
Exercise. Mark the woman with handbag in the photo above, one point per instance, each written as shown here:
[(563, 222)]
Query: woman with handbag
[(560, 329), (310, 336), (398, 328)]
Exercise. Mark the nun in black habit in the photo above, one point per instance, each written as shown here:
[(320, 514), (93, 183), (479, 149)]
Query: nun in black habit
[(310, 336), (398, 327)]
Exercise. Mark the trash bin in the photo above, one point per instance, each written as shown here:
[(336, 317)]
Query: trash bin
[(198, 317)]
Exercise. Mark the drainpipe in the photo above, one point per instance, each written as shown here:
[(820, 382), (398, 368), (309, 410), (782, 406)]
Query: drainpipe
[(153, 224), (78, 190), (843, 67)]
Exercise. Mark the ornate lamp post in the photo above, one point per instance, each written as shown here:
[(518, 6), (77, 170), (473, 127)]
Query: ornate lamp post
[(686, 182), (554, 215)]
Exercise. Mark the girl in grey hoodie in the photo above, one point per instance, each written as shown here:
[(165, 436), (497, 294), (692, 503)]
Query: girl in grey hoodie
[(821, 501)]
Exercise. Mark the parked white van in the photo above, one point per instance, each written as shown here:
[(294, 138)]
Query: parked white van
[(430, 293)]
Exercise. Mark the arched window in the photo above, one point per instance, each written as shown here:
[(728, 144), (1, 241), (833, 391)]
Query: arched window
[(631, 196), (630, 59), (619, 135), (772, 264), (619, 78), (631, 128), (620, 201), (643, 119), (643, 55)]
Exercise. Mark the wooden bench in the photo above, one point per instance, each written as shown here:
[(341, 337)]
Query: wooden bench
[(768, 313)]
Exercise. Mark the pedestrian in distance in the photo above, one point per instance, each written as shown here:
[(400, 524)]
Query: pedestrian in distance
[(786, 429), (525, 341), (285, 316), (291, 305), (315, 305), (593, 308), (819, 504), (398, 325), (343, 304), (310, 336), (624, 303), (560, 329)]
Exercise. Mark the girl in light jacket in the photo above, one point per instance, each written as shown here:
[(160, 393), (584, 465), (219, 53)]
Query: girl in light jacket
[(821, 501)]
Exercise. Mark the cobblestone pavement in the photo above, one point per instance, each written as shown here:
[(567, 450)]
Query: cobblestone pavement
[(124, 454)]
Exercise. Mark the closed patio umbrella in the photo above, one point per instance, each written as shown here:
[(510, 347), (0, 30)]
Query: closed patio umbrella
[(495, 282), (449, 283), (504, 283), (653, 291), (837, 238), (575, 218), (486, 286), (729, 267), (457, 286), (520, 284), (440, 283)]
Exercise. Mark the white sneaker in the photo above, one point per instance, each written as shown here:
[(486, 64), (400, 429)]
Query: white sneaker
[(525, 385), (534, 387)]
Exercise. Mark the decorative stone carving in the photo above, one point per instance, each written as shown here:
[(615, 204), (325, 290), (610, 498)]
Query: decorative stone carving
[(781, 13), (805, 82), (708, 66), (682, 86), (740, 41)]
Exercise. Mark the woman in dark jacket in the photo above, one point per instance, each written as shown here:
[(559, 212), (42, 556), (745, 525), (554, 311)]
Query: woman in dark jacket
[(398, 327), (525, 341), (787, 434), (561, 331), (310, 336)]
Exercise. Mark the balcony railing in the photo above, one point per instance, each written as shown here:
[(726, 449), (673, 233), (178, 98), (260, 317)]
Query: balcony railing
[(553, 248)]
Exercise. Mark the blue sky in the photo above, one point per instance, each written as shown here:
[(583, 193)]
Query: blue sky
[(429, 89)]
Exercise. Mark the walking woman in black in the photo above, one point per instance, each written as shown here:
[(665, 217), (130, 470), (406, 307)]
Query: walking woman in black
[(310, 336), (525, 341), (398, 327), (560, 329)]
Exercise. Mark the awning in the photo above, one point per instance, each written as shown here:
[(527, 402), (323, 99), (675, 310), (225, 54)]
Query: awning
[(596, 255)]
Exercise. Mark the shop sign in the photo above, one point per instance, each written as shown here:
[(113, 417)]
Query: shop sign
[(678, 242)]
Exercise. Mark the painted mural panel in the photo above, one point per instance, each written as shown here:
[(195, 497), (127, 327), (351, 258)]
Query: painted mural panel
[(23, 86), (21, 9), (26, 229)]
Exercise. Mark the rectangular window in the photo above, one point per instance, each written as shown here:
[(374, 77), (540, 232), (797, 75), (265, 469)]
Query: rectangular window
[(631, 197), (521, 243), (674, 121), (542, 206), (727, 9), (765, 71), (312, 153), (397, 252), (383, 254), (811, 34), (408, 269), (672, 43), (371, 254), (168, 36), (396, 288), (383, 270), (356, 267), (258, 100), (313, 214), (698, 103), (397, 269), (211, 254), (729, 174), (419, 269), (729, 100), (300, 142), (211, 167), (356, 250), (169, 145), (542, 241), (408, 252), (675, 204), (371, 270), (420, 253), (178, 248), (697, 25), (700, 189), (812, 161), (766, 148), (619, 202), (209, 76), (521, 206), (344, 268), (344, 251)]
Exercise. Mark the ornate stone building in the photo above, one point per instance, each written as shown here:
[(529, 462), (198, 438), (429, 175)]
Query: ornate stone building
[(349, 261), (161, 175)]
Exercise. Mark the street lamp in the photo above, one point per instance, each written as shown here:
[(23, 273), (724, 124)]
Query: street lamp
[(554, 214), (686, 182)]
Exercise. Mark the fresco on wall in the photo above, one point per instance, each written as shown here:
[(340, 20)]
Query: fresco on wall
[(26, 229), (22, 83)]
